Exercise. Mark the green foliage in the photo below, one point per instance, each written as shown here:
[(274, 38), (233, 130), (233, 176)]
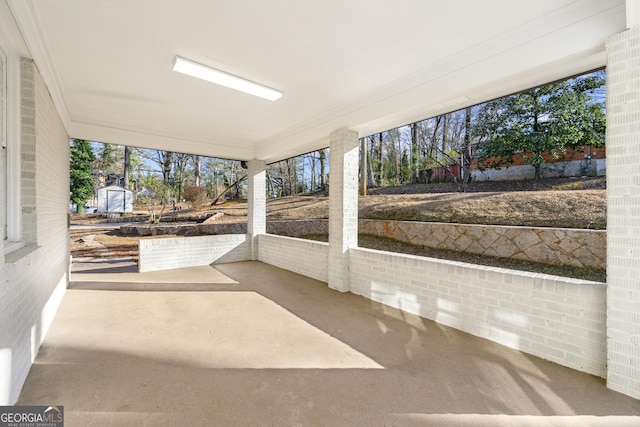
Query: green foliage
[(155, 196), (106, 157), (81, 176), (550, 119), (195, 196)]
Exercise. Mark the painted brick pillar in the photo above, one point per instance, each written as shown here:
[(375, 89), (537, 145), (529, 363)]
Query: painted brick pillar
[(343, 205), (28, 165), (257, 203), (623, 212)]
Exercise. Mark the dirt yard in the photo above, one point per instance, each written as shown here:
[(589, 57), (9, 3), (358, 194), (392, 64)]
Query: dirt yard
[(569, 202)]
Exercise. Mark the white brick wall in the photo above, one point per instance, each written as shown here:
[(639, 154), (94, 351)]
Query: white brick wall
[(623, 223), (257, 201), (305, 257), (561, 320), (179, 252), (36, 276), (343, 205), (28, 152)]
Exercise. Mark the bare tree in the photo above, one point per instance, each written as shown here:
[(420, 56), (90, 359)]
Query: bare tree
[(377, 159), (232, 186), (127, 165), (165, 158), (181, 161), (313, 160), (415, 154), (197, 167), (363, 166), (323, 168), (465, 157)]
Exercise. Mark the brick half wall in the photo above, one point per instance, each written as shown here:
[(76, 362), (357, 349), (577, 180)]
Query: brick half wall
[(179, 252), (305, 257), (555, 318)]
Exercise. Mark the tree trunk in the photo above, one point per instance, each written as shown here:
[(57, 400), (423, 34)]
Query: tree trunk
[(445, 131), (415, 173), (180, 168), (323, 176), (363, 166), (291, 176), (166, 166), (127, 166), (432, 146), (232, 186), (370, 180), (381, 159), (466, 153), (398, 179), (196, 172), (312, 165)]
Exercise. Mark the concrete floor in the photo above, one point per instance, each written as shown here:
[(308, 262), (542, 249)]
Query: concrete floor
[(248, 344)]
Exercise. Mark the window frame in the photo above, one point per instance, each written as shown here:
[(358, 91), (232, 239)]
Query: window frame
[(11, 169)]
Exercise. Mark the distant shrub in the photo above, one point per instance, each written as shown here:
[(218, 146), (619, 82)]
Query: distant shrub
[(196, 197)]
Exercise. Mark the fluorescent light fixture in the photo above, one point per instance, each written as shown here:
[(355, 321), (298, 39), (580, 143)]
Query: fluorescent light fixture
[(203, 72)]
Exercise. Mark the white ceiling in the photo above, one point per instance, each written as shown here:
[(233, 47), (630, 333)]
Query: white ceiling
[(363, 64)]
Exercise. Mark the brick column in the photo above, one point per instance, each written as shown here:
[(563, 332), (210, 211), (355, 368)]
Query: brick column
[(28, 151), (343, 205), (257, 201), (623, 212)]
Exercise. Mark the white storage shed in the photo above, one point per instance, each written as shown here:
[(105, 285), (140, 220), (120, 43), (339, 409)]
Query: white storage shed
[(115, 199)]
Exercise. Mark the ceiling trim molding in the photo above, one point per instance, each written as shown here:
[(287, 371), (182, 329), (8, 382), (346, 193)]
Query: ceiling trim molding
[(27, 20), (130, 138)]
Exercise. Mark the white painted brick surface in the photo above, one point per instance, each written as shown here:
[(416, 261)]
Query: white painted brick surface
[(179, 252), (257, 203), (343, 205), (36, 276), (558, 319), (305, 257), (623, 213), (28, 152)]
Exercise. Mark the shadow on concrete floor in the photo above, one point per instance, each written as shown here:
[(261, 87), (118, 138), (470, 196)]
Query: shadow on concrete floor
[(257, 345)]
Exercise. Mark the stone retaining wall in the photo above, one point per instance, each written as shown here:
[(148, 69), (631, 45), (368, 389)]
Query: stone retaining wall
[(298, 228), (142, 230), (560, 246)]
